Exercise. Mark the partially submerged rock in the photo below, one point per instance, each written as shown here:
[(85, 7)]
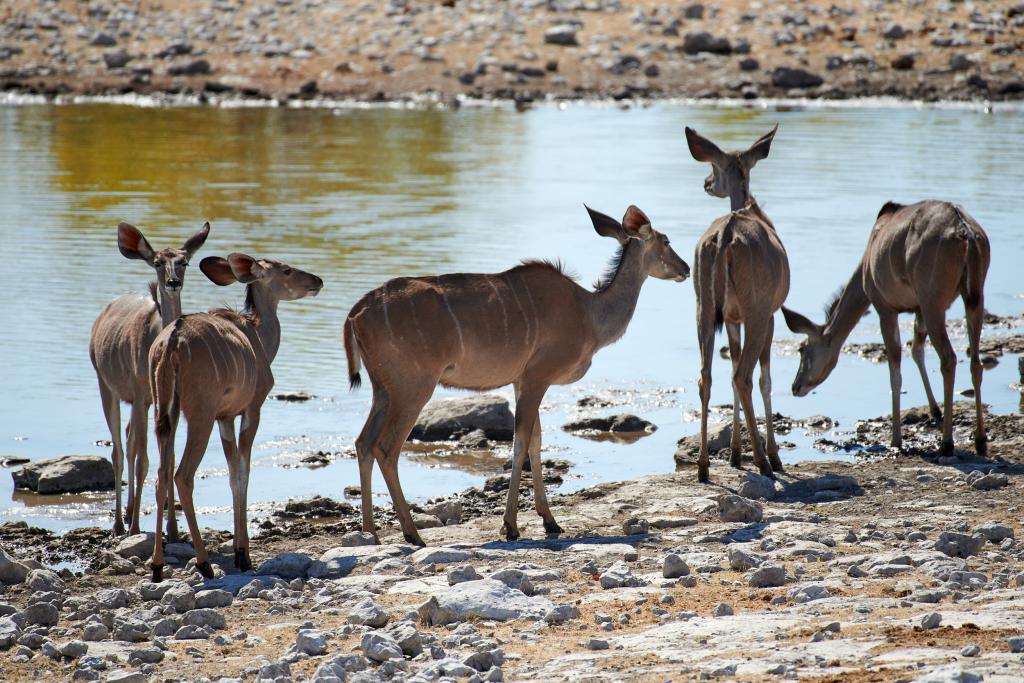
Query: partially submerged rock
[(449, 419), (612, 423), (66, 474)]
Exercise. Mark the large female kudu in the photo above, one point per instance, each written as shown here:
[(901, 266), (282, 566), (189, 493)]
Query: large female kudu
[(213, 367), (530, 326), (741, 277), (119, 350), (919, 258)]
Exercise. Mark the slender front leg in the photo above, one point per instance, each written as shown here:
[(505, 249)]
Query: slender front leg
[(246, 436), (743, 384), (540, 497), (227, 441), (766, 397), (917, 353), (707, 354), (889, 321), (112, 413), (527, 405), (935, 321), (736, 442), (172, 514), (138, 463), (975, 316)]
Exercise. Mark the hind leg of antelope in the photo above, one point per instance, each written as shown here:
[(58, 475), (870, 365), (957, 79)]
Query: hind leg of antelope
[(364, 455), (199, 429), (398, 421), (974, 315), (172, 514), (917, 353), (743, 384), (765, 383), (250, 422), (138, 463), (112, 413), (706, 328), (527, 407), (164, 481), (736, 441), (936, 324), (889, 322)]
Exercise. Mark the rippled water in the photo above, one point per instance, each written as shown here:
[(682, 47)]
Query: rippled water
[(359, 196)]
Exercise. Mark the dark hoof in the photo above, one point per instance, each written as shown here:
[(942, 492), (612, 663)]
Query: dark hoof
[(413, 539), (242, 560), (981, 446), (937, 416), (158, 573), (511, 532), (118, 528), (703, 475), (205, 568), (552, 527), (946, 449)]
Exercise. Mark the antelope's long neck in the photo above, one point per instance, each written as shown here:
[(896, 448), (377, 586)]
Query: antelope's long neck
[(613, 304), (260, 301), (739, 194), (169, 304), (851, 306)]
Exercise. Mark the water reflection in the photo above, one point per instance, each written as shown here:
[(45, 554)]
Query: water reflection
[(359, 196)]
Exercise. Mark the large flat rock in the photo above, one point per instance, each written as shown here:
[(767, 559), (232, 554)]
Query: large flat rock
[(66, 474)]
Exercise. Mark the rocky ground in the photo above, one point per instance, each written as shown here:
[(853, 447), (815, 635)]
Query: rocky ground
[(522, 50), (896, 568)]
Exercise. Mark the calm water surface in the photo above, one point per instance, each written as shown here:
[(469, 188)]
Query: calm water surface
[(360, 196)]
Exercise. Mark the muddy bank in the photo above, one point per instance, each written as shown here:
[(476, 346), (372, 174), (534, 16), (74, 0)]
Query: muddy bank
[(521, 50), (896, 567)]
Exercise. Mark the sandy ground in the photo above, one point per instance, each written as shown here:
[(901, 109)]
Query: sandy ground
[(441, 51)]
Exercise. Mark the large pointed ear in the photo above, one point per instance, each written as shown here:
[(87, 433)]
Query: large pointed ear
[(132, 244), (759, 150), (218, 270), (245, 268), (636, 224), (606, 226), (799, 324), (197, 240), (703, 149)]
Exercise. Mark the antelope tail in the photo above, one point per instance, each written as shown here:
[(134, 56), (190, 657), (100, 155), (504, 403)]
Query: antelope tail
[(352, 353), (719, 273), (164, 373)]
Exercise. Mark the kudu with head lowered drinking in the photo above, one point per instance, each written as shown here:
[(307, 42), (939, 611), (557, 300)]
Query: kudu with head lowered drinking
[(919, 258), (531, 326), (741, 277), (119, 350), (213, 367)]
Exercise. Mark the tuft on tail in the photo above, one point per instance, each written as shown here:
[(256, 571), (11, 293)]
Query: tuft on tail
[(352, 353)]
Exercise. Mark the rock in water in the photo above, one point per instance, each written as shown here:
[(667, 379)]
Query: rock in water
[(451, 418), (66, 474)]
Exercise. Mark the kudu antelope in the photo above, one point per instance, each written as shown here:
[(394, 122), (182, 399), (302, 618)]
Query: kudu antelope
[(213, 367), (119, 350), (531, 326), (741, 277), (919, 258)]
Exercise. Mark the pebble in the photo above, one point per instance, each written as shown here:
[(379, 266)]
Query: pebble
[(674, 567)]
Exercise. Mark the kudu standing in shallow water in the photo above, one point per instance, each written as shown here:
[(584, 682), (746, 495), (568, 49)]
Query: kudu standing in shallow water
[(213, 367), (741, 277), (919, 258), (530, 326), (119, 349)]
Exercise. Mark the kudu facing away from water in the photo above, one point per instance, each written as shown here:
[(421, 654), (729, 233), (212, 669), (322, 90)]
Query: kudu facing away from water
[(919, 258), (741, 277), (119, 349), (213, 367), (530, 326)]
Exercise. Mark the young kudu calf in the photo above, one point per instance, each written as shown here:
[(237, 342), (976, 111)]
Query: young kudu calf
[(213, 367), (119, 349), (741, 277), (530, 326), (919, 258)]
